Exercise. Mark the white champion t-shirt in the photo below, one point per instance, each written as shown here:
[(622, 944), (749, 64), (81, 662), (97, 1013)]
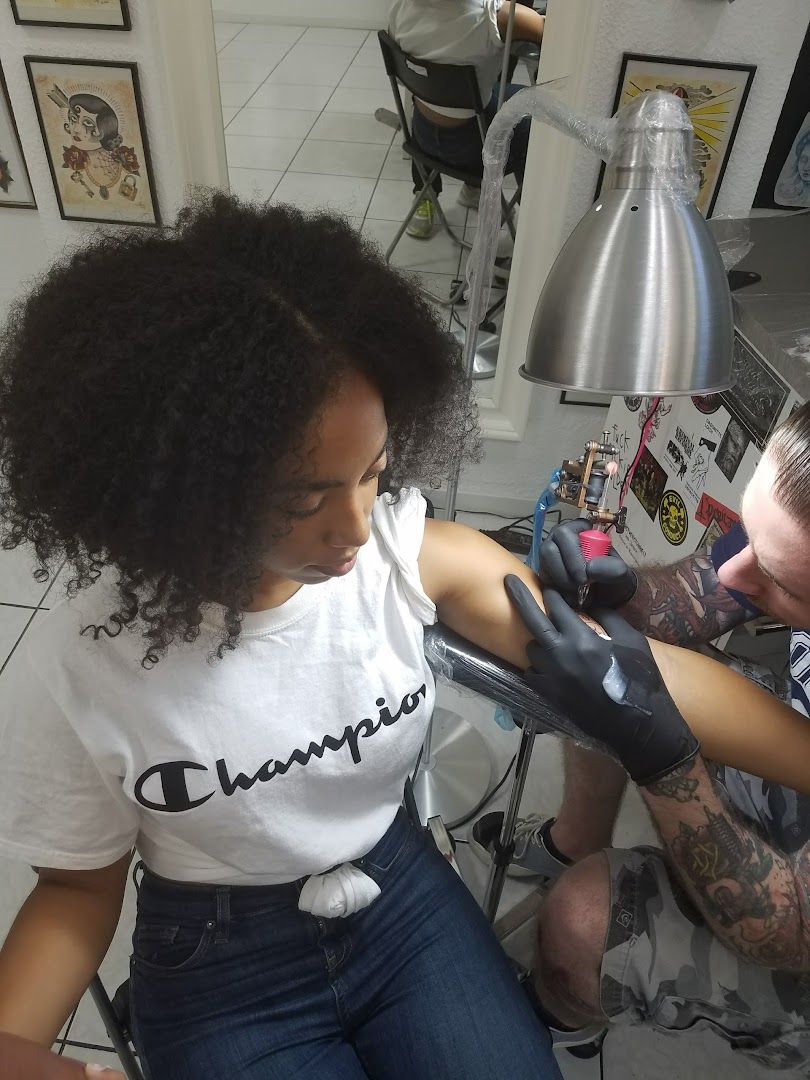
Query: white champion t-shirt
[(451, 32), (283, 759)]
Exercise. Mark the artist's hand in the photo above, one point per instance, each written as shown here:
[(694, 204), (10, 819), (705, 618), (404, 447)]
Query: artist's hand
[(563, 567), (609, 687), (22, 1059)]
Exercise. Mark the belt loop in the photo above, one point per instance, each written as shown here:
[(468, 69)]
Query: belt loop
[(223, 914)]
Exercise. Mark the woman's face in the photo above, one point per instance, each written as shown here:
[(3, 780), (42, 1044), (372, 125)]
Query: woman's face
[(81, 126), (331, 494), (803, 165)]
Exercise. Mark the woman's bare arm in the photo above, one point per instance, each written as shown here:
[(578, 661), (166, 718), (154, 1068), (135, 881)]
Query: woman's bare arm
[(55, 945), (737, 723)]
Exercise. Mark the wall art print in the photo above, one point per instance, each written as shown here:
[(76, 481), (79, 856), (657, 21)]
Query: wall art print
[(81, 14), (91, 120), (715, 95), (15, 185)]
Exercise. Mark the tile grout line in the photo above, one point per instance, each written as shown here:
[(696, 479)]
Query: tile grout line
[(262, 84), (326, 105)]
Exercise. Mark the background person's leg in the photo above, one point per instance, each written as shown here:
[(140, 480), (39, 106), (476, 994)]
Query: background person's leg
[(433, 995)]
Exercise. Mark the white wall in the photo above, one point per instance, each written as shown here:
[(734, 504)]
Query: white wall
[(768, 35), (366, 14), (157, 35)]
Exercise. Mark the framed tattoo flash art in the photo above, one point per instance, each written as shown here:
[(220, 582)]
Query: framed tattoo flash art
[(92, 125), (82, 14), (757, 394), (715, 96), (15, 186), (785, 180)]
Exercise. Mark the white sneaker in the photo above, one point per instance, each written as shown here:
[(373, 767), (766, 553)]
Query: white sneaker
[(469, 196)]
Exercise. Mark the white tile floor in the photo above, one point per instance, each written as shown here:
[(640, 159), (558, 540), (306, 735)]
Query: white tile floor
[(298, 105)]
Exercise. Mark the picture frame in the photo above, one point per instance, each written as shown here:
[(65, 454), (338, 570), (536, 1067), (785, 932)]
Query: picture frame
[(16, 191), (785, 180), (92, 124), (76, 14), (715, 94), (585, 397)]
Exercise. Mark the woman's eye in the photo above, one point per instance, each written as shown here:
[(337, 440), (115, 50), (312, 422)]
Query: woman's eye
[(306, 512)]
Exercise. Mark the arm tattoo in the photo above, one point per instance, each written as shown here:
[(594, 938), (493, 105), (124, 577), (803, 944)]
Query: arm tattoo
[(756, 899), (683, 604)]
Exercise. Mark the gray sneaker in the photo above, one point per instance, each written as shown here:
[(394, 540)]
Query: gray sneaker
[(531, 858)]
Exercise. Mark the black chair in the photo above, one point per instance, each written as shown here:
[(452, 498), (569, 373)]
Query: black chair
[(448, 86)]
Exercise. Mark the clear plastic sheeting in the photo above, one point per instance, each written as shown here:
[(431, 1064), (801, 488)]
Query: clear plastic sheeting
[(540, 102), (733, 239), (456, 660)]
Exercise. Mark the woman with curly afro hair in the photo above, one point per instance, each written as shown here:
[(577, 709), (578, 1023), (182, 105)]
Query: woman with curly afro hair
[(218, 428)]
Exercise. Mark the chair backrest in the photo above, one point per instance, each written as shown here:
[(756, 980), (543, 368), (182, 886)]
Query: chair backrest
[(452, 86)]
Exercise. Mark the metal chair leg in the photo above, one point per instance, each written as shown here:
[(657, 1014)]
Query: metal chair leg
[(129, 1062), (416, 200), (505, 845)]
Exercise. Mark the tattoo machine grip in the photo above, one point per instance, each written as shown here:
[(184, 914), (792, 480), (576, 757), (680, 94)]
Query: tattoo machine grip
[(594, 543)]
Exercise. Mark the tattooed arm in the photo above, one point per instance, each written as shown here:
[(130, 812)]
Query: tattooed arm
[(755, 899), (683, 604)]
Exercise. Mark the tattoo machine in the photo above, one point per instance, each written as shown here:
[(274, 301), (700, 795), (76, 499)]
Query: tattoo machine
[(584, 483)]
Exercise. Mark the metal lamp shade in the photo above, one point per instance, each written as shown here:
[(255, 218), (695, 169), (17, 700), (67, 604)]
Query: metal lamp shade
[(637, 301)]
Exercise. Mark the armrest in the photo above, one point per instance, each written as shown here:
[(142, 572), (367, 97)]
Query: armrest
[(459, 660)]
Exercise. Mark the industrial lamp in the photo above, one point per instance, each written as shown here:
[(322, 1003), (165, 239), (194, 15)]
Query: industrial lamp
[(637, 301)]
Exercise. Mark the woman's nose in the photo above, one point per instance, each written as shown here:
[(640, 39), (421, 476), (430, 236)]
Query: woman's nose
[(350, 527)]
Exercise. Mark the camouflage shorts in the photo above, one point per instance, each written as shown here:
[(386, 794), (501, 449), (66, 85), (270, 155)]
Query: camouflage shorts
[(662, 965)]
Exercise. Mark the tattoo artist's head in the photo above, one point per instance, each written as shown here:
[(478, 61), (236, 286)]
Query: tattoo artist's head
[(222, 423), (774, 570)]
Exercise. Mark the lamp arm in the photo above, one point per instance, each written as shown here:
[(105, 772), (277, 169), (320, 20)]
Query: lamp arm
[(597, 133), (540, 102)]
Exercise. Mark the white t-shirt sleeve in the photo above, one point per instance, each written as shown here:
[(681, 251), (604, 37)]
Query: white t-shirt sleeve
[(56, 807), (401, 527), (491, 9)]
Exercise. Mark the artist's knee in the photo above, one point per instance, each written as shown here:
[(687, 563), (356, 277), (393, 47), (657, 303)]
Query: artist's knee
[(571, 929)]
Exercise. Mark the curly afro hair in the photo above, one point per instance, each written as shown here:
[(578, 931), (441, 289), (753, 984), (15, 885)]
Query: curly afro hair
[(152, 382)]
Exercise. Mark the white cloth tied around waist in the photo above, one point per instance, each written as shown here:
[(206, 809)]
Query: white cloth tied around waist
[(338, 892)]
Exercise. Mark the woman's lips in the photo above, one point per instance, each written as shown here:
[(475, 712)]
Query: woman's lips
[(338, 569)]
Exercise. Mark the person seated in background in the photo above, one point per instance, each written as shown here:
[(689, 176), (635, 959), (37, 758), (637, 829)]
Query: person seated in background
[(461, 32)]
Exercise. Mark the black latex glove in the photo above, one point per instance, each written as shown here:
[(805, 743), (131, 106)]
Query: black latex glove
[(563, 567), (610, 688)]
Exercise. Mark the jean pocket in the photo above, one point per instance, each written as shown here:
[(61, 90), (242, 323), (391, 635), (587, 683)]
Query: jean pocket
[(384, 862), (165, 948)]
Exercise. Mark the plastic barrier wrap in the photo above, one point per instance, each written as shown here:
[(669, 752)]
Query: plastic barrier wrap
[(456, 660), (650, 138)]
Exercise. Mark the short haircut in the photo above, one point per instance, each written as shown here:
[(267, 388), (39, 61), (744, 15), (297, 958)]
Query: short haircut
[(789, 449)]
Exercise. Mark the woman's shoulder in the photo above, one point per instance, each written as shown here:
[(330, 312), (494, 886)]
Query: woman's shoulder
[(398, 521)]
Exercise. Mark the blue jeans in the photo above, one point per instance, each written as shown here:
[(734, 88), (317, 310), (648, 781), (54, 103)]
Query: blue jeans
[(235, 982), (461, 146)]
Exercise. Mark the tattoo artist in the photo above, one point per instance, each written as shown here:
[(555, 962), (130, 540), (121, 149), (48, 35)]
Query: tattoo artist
[(717, 926)]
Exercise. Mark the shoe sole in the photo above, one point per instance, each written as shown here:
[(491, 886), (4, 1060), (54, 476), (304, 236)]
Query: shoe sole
[(484, 855)]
